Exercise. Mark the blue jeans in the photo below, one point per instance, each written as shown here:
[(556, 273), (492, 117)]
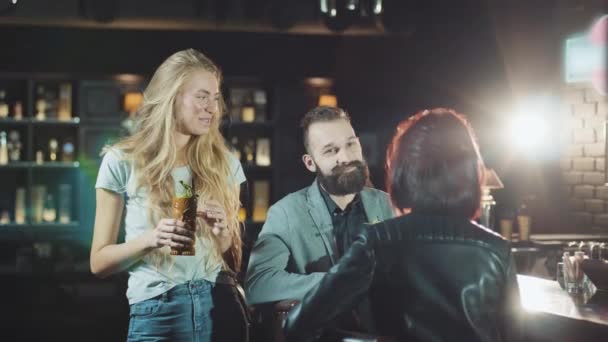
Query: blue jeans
[(198, 311)]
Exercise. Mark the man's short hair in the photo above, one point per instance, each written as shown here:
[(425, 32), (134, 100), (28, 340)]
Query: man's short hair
[(434, 165), (321, 114)]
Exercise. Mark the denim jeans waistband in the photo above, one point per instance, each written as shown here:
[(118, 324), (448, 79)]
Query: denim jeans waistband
[(200, 286)]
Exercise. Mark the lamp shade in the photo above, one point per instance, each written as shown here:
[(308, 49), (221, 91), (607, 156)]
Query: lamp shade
[(132, 102), (491, 180), (328, 100)]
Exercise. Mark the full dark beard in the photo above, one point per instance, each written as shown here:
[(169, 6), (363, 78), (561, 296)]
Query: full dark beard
[(341, 182)]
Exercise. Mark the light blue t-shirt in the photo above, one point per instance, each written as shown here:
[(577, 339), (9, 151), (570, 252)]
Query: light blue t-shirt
[(148, 278)]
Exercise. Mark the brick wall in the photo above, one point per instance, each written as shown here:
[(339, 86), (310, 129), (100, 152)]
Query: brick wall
[(584, 113)]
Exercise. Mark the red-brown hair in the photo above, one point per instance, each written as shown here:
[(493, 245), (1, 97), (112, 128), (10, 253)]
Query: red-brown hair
[(434, 165)]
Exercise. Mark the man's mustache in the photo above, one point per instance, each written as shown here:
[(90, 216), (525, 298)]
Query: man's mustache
[(339, 169)]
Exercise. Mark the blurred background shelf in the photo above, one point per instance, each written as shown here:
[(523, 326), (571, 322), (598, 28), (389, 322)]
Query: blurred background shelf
[(46, 165)]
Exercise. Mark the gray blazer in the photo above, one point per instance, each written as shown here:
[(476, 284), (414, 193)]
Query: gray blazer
[(296, 246)]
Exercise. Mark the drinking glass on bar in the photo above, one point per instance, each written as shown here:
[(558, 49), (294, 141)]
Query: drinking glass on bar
[(573, 274)]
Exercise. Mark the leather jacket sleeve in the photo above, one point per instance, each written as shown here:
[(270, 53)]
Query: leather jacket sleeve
[(514, 321), (337, 292)]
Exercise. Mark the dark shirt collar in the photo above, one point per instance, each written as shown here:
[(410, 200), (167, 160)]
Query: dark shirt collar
[(332, 206)]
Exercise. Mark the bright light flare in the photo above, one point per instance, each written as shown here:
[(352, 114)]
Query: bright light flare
[(528, 132), (530, 128)]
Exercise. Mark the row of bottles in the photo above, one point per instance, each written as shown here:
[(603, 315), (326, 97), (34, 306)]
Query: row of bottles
[(11, 147), (44, 206), (248, 105), (65, 154), (5, 111), (19, 214), (252, 152), (52, 102)]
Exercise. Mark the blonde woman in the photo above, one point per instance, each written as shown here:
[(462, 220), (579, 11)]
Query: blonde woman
[(177, 140)]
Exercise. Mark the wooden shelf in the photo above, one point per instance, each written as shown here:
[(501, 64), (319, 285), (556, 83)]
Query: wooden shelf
[(27, 226), (12, 225), (11, 121), (71, 122), (55, 225), (15, 165), (36, 122), (89, 129), (46, 165), (55, 165), (50, 230)]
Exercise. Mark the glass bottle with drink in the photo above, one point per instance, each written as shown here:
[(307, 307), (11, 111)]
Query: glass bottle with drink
[(184, 209)]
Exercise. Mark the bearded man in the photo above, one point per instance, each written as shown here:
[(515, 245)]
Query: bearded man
[(307, 231)]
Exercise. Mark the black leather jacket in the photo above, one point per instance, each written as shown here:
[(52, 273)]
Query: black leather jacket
[(428, 278)]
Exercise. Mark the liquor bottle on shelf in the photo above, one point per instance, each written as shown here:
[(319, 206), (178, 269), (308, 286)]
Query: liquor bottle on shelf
[(40, 103), (38, 196), (18, 110), (67, 151), (248, 110), (65, 203), (14, 146), (236, 103), (262, 152), (5, 217), (64, 111), (53, 147), (39, 157), (49, 213), (20, 206), (248, 150), (3, 149), (235, 148), (52, 101), (259, 101), (3, 105), (261, 192)]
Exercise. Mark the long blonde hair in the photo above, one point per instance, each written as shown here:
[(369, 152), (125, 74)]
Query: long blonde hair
[(153, 152)]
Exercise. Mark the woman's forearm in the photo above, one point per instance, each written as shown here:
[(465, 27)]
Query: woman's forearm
[(115, 258)]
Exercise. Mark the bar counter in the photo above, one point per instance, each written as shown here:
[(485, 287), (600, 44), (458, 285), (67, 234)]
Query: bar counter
[(554, 315)]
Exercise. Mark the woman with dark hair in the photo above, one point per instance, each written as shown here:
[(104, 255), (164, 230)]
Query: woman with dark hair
[(431, 274)]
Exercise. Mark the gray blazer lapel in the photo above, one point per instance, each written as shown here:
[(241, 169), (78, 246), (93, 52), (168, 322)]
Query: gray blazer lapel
[(372, 206), (320, 216)]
